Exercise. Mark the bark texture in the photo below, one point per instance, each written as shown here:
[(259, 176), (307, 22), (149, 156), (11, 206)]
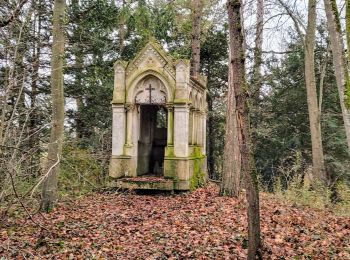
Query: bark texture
[(34, 117), (339, 62), (258, 51), (257, 78), (79, 64), (318, 167), (196, 37), (49, 192), (211, 161), (240, 94), (231, 176), (347, 22)]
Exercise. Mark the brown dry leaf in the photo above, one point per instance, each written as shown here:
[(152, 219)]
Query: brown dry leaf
[(199, 225)]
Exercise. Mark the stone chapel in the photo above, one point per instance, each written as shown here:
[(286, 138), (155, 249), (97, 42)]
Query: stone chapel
[(159, 123)]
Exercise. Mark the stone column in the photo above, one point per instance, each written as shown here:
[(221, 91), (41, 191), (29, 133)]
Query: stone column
[(196, 124), (200, 128), (192, 125), (129, 110), (204, 133), (170, 109), (118, 130), (119, 82), (181, 130)]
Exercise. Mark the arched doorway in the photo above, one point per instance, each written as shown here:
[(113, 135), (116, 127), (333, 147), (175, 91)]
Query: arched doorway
[(150, 99), (151, 95)]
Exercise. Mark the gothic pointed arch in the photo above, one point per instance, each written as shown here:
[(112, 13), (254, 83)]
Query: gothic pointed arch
[(150, 86)]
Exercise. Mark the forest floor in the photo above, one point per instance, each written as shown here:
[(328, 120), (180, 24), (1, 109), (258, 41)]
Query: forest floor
[(190, 225)]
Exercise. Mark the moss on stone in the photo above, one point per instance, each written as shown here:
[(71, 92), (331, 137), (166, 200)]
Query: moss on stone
[(169, 152), (198, 178), (145, 185), (170, 169), (181, 101), (196, 153)]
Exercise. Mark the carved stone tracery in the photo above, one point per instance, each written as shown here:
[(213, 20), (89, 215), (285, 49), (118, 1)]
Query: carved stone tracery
[(150, 90)]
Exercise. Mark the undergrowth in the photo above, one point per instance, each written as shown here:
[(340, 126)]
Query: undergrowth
[(81, 172), (336, 199)]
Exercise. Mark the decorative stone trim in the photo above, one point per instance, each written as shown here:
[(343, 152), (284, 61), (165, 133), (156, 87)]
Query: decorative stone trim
[(169, 107), (154, 78), (129, 107)]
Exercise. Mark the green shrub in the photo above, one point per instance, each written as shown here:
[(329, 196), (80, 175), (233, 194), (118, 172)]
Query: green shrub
[(342, 207), (316, 196)]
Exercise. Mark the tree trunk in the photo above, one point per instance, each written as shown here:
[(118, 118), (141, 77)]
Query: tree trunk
[(339, 63), (49, 192), (79, 119), (33, 121), (347, 91), (231, 176), (196, 37), (79, 63), (318, 168), (258, 51), (257, 63), (211, 162), (237, 65)]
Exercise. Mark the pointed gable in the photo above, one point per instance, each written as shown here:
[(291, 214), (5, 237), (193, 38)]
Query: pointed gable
[(152, 56)]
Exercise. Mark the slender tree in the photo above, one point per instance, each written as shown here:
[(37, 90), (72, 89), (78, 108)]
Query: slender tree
[(318, 167), (34, 118), (196, 37), (347, 94), (230, 183), (79, 64), (240, 90), (49, 192), (258, 51), (257, 79), (339, 63)]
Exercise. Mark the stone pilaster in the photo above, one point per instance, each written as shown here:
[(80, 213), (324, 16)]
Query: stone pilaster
[(197, 123), (119, 82), (192, 125), (204, 132), (182, 81), (118, 130), (129, 118), (181, 130), (199, 130), (170, 108)]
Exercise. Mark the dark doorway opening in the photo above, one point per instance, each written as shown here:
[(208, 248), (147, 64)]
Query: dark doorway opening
[(152, 140)]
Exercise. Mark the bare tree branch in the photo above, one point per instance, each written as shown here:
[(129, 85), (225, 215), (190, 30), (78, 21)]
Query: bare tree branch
[(14, 14)]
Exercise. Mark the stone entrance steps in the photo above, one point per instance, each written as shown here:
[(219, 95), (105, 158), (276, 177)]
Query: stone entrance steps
[(145, 183)]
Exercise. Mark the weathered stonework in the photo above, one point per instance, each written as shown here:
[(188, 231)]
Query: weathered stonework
[(159, 121)]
